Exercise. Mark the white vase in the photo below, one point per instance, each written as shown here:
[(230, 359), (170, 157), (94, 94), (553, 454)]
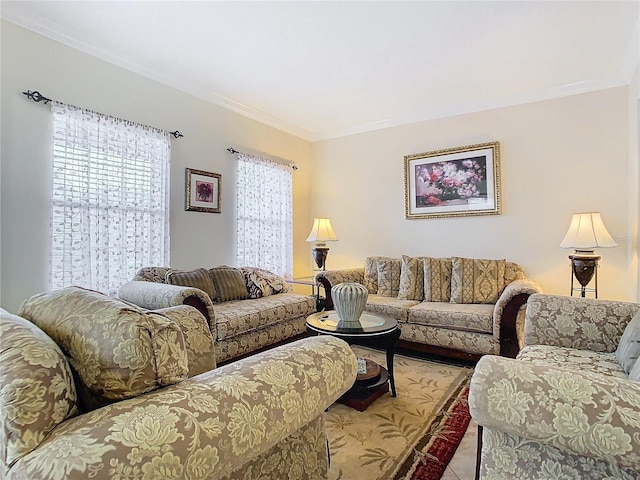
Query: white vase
[(349, 300)]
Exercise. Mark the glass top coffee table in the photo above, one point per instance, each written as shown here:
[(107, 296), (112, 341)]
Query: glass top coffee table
[(377, 331)]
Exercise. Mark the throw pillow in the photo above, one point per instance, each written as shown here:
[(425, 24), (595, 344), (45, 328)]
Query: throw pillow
[(628, 349), (229, 284), (198, 278), (437, 279), (371, 274), (262, 283), (389, 276), (411, 279), (116, 350), (476, 280)]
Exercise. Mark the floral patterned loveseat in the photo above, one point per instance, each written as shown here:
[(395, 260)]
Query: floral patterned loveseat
[(242, 318), (569, 406), (457, 307), (92, 387)]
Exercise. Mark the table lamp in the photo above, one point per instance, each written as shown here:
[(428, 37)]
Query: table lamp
[(321, 232), (586, 232)]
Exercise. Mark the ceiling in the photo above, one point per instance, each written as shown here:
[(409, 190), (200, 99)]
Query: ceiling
[(323, 69)]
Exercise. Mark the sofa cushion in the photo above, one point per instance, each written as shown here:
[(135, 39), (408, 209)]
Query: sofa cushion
[(394, 307), (389, 276), (198, 278), (38, 391), (262, 283), (628, 349), (467, 317), (476, 280), (437, 279), (241, 316), (411, 278), (229, 283), (117, 350), (572, 359)]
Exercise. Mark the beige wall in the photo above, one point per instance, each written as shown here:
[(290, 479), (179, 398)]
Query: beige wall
[(634, 183), (558, 157), (34, 62)]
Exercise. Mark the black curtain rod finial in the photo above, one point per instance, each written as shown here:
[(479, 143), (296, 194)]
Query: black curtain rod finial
[(36, 96), (176, 134), (232, 150)]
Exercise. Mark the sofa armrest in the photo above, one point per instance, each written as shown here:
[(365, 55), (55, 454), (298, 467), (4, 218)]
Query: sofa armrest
[(205, 427), (153, 295), (574, 322), (199, 342), (330, 278), (584, 413), (505, 314)]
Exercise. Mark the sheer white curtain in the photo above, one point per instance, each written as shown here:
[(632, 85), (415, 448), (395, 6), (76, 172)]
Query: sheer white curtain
[(110, 205), (265, 212)]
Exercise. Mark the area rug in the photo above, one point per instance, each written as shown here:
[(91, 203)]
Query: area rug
[(410, 437)]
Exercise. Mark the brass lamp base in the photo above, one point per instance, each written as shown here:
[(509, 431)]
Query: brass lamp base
[(584, 265)]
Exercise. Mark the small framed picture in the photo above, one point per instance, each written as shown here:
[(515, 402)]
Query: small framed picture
[(203, 191), (461, 181)]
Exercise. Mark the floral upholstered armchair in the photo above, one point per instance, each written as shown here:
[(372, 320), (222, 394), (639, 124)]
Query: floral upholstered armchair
[(92, 387), (568, 407)]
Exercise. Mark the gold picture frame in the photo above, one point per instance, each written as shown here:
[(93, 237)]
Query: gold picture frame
[(453, 182), (203, 191)]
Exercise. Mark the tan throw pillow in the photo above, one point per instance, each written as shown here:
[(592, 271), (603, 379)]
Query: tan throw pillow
[(198, 278), (117, 350), (437, 279), (371, 274), (628, 349), (411, 278), (389, 276), (476, 280), (229, 284)]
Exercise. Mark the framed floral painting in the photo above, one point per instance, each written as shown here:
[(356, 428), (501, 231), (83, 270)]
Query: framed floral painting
[(203, 191), (453, 182)]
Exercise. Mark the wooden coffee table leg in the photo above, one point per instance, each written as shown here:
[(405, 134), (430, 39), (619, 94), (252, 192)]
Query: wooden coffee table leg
[(390, 350)]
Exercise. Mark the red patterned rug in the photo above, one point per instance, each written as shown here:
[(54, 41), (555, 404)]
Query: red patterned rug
[(434, 452)]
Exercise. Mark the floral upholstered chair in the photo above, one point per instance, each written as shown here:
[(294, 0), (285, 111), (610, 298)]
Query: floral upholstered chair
[(568, 407), (93, 387)]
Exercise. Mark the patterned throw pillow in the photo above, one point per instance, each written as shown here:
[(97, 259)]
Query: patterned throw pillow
[(437, 279), (634, 374), (389, 276), (229, 284), (371, 274), (628, 349), (262, 283), (411, 278), (476, 280), (198, 278)]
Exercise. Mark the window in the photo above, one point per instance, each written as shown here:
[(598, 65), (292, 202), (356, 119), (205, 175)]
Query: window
[(265, 236), (110, 200)]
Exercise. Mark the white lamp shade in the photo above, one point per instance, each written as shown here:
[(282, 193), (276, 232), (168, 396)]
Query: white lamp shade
[(321, 231), (586, 232)]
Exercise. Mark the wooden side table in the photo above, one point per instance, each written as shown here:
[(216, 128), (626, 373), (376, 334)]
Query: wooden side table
[(315, 288)]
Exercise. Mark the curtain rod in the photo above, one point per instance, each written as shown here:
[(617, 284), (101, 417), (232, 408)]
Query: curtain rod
[(233, 151), (37, 97)]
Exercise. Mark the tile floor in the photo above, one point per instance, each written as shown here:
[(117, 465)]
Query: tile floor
[(463, 463)]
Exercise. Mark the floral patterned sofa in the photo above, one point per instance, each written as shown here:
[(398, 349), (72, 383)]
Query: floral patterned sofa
[(458, 307), (92, 387), (569, 405), (243, 319)]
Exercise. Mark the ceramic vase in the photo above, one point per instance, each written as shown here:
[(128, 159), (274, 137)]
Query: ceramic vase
[(349, 300)]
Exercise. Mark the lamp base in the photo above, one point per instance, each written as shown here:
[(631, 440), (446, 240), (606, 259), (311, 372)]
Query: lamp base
[(584, 265), (320, 255)]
